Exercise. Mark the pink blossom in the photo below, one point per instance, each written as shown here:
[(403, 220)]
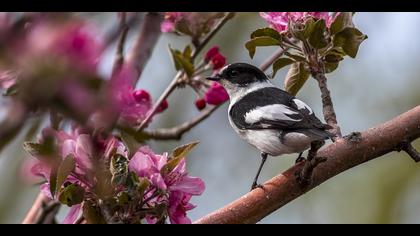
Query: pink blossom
[(211, 53), (114, 146), (194, 24), (200, 103), (215, 58), (7, 79), (218, 61), (133, 105), (169, 23), (177, 183), (178, 206), (78, 145), (280, 20), (216, 94), (71, 42)]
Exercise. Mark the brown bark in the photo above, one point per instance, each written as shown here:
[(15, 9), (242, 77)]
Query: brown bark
[(342, 155)]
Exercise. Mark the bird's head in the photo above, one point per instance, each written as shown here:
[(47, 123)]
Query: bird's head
[(240, 77)]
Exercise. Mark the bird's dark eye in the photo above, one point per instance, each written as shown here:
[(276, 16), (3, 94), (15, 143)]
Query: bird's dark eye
[(233, 73)]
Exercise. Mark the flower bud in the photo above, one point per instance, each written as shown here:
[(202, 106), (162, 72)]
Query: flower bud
[(200, 103)]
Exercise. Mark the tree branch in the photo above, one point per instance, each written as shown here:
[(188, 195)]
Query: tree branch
[(143, 47), (342, 155), (327, 104)]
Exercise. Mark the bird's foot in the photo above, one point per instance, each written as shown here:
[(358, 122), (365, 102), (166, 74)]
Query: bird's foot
[(304, 175)]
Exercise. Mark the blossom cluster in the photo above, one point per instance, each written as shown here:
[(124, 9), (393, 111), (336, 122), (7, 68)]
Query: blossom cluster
[(105, 176), (280, 20)]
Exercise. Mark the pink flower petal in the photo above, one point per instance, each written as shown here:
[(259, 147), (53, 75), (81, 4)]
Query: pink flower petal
[(73, 214), (189, 185), (216, 94), (45, 190), (142, 165), (84, 151)]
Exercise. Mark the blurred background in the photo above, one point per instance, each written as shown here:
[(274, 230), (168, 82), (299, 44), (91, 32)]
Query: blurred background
[(379, 84)]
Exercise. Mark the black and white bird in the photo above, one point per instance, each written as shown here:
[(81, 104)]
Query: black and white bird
[(268, 118)]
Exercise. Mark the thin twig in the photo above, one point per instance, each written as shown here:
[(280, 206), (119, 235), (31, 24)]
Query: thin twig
[(177, 131), (119, 55), (211, 34), (410, 150), (267, 63)]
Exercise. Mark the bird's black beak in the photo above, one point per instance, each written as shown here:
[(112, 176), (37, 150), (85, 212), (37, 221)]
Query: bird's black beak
[(214, 78)]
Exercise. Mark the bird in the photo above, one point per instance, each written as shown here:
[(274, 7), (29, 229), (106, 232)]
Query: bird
[(267, 117)]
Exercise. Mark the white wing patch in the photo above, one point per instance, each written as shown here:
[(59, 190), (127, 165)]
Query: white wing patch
[(301, 105), (270, 112)]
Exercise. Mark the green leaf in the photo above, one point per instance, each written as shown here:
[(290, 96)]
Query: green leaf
[(341, 21), (64, 170), (295, 57), (123, 198), (34, 149), (252, 44), (181, 62), (144, 183), (330, 66), (296, 78), (309, 27), (132, 181), (40, 150), (317, 36), (119, 169), (187, 53), (269, 32), (177, 155), (92, 214), (333, 58), (71, 195), (349, 39), (12, 90), (280, 63), (53, 180), (130, 143)]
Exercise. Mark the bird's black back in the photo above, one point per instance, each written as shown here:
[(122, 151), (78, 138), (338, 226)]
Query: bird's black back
[(270, 96)]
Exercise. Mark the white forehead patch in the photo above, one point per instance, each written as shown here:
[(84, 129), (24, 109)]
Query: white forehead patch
[(223, 69)]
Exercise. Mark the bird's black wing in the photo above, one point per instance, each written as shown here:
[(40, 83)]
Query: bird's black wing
[(273, 108)]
